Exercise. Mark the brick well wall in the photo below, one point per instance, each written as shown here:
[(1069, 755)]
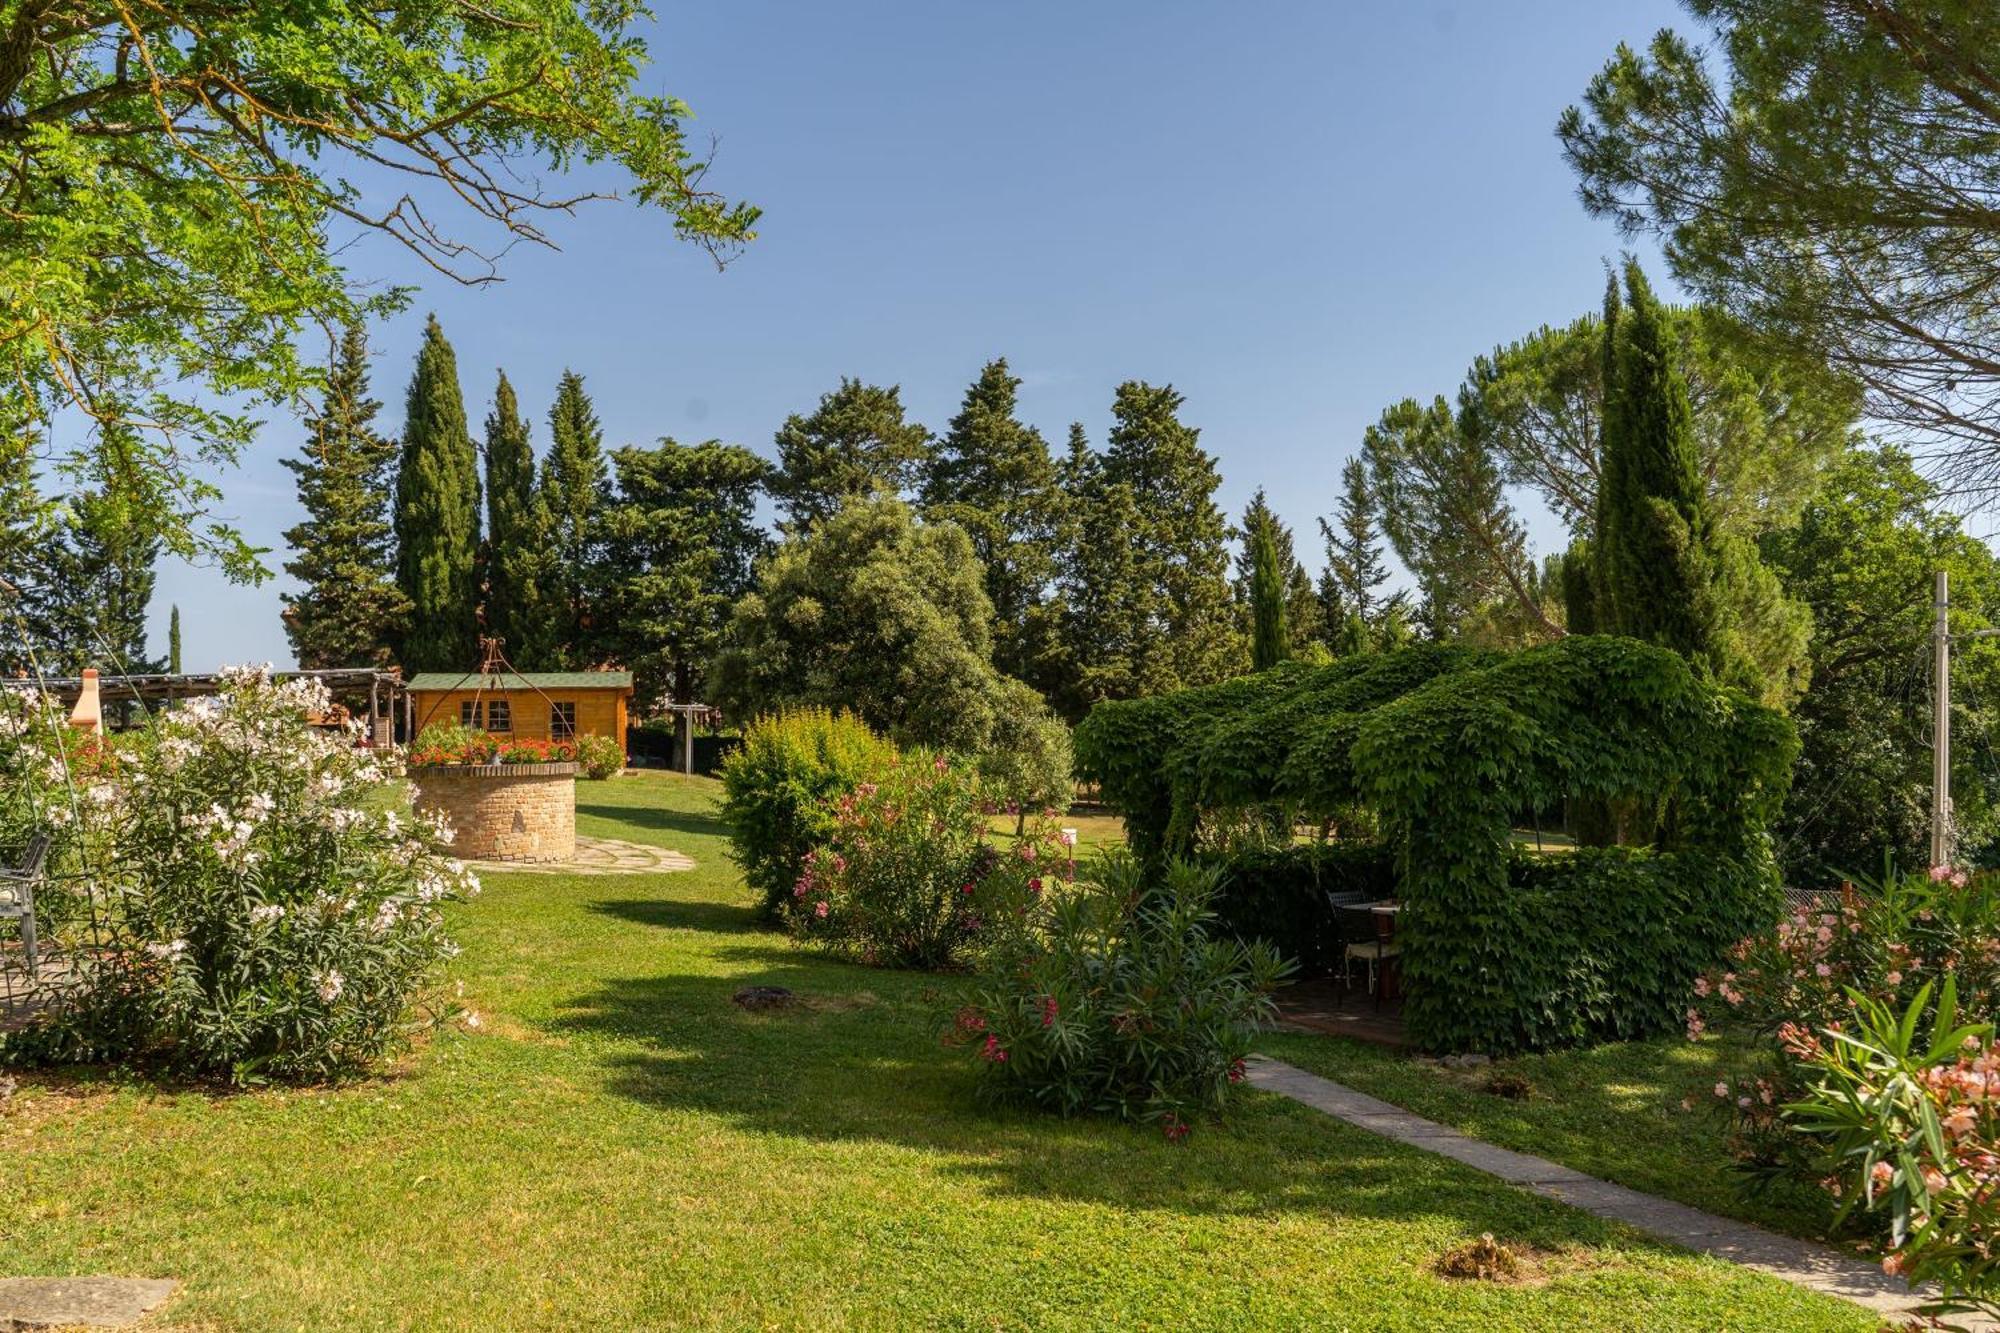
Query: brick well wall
[(504, 812)]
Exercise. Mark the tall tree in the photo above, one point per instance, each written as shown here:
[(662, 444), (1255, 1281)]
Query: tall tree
[(88, 606), (1110, 609), (855, 444), (349, 610), (1350, 603), (993, 476), (230, 159), (1180, 533), (1826, 171), (1299, 598), (516, 538), (1270, 643), (437, 516), (174, 640), (575, 489), (681, 542)]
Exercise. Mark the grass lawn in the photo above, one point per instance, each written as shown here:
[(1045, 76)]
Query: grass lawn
[(618, 1146), (1614, 1111)]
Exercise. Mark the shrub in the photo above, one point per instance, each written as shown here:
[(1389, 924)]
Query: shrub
[(779, 788), (267, 919), (1025, 765), (1117, 998), (907, 876), (1279, 894), (1901, 1106), (600, 756)]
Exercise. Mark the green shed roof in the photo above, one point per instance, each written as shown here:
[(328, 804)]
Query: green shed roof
[(522, 680)]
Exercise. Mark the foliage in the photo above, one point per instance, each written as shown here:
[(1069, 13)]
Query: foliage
[(854, 445), (1827, 175), (1447, 745), (89, 578), (275, 922), (993, 477), (1027, 761), (450, 743), (876, 612), (174, 639), (779, 785), (600, 756), (1901, 1108), (907, 876), (1116, 1000), (1861, 559), (517, 532), (437, 517), (1270, 636), (1279, 894), (575, 491), (680, 542), (186, 179), (349, 611), (1351, 609)]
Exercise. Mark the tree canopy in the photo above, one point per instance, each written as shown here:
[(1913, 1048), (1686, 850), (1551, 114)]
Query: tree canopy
[(855, 444)]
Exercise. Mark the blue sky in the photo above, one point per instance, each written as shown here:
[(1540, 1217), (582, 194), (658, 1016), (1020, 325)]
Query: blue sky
[(1295, 213)]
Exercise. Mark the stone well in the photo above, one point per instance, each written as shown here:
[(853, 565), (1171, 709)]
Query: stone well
[(503, 812)]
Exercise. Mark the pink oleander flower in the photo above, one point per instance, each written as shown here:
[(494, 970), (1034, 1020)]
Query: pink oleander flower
[(1721, 1089), (993, 1050), (1882, 1174), (819, 909), (1701, 986)]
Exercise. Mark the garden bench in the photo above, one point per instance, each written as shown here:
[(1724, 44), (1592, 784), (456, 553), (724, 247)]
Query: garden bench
[(17, 895)]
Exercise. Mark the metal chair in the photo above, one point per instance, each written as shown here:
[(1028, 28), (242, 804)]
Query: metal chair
[(17, 895), (1368, 937)]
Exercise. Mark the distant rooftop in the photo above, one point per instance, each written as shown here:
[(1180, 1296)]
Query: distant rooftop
[(521, 680)]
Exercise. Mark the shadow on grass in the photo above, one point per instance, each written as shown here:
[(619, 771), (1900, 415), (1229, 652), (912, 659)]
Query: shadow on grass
[(683, 914), (703, 823), (856, 1061)]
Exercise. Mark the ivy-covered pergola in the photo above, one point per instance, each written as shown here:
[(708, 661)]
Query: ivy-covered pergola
[(1501, 950)]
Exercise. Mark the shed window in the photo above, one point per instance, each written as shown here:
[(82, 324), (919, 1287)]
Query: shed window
[(468, 713), (499, 716), (562, 719)]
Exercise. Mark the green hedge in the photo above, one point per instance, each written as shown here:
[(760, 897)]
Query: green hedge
[(1279, 894), (1445, 745)]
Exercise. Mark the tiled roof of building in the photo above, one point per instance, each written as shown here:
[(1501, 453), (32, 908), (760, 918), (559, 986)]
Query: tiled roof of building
[(522, 680)]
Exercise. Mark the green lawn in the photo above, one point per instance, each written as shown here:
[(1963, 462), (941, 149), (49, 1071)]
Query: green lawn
[(618, 1146)]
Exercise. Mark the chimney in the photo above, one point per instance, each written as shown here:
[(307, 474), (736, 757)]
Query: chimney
[(88, 715)]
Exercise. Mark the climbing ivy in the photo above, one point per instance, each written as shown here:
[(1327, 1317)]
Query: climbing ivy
[(1501, 952)]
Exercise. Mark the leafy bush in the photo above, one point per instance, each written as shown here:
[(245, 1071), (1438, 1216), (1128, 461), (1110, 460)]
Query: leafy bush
[(1279, 894), (449, 743), (1900, 1105), (600, 756), (269, 919), (779, 788), (1026, 763), (907, 876), (1116, 998)]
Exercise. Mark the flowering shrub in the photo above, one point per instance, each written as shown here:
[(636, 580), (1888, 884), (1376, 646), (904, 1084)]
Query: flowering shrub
[(600, 756), (1904, 1108), (1115, 998), (780, 785), (50, 773), (451, 744), (265, 918), (907, 876)]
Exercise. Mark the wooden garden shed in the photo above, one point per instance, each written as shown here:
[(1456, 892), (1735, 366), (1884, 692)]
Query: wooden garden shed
[(533, 705)]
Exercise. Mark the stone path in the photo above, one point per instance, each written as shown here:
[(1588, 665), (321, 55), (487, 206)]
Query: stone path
[(1818, 1267), (79, 1302), (598, 856)]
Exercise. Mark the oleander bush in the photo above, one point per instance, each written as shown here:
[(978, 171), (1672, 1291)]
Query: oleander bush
[(263, 914), (779, 787), (908, 876), (600, 756), (1120, 997)]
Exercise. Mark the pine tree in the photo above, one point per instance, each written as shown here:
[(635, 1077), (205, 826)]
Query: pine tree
[(854, 444), (350, 611), (90, 602), (1180, 535), (575, 489), (1299, 597), (1269, 642), (174, 640), (1354, 568), (516, 538), (437, 516), (994, 478)]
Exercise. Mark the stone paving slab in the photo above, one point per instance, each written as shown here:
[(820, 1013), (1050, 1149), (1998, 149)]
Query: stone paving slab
[(1818, 1267), (79, 1302), (598, 856)]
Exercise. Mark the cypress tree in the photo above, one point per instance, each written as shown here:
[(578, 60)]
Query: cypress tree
[(516, 537), (350, 611), (994, 478), (437, 516), (174, 640), (575, 490), (1269, 643), (1652, 520)]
